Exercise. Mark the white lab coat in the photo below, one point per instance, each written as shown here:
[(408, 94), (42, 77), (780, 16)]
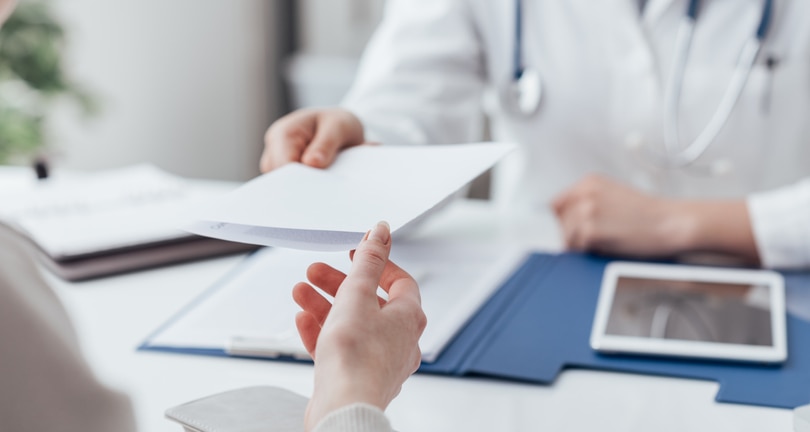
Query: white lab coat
[(432, 70)]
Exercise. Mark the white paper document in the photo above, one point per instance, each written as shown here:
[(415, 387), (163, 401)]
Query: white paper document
[(254, 304), (94, 212), (300, 207)]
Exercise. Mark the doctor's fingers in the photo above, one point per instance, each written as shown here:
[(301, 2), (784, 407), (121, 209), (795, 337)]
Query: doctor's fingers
[(590, 187), (335, 129), (581, 226), (286, 139)]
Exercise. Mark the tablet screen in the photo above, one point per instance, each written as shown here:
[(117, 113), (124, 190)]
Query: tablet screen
[(691, 311)]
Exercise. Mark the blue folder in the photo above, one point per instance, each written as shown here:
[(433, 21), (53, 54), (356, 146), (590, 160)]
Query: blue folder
[(539, 322)]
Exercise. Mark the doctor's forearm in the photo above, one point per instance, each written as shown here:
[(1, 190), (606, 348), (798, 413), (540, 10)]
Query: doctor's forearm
[(717, 226)]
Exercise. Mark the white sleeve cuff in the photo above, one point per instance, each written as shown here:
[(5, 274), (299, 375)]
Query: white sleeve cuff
[(359, 417), (393, 130), (780, 220)]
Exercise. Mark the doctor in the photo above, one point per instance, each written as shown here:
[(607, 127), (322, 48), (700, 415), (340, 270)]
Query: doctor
[(695, 115)]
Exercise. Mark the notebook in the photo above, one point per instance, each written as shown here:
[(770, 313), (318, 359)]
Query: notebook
[(88, 225)]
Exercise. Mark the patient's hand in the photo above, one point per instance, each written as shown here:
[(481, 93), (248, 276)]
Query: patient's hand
[(364, 347), (310, 136)]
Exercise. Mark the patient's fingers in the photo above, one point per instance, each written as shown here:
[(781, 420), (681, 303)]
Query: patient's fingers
[(329, 279), (325, 277), (311, 301), (391, 274), (309, 330)]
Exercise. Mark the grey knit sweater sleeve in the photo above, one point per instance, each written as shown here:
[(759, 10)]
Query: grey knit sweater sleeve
[(357, 417)]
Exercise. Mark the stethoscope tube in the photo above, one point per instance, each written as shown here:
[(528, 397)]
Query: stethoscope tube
[(522, 92), (675, 156), (521, 96), (517, 70), (765, 22)]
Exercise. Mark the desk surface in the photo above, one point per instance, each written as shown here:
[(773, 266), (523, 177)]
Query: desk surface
[(114, 315)]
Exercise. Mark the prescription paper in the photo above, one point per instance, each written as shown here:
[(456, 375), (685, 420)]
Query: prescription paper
[(301, 207)]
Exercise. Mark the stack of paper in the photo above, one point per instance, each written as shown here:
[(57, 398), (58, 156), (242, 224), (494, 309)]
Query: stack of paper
[(297, 206), (95, 224)]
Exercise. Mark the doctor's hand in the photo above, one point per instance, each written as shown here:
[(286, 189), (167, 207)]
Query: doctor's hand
[(364, 347), (600, 215), (310, 136)]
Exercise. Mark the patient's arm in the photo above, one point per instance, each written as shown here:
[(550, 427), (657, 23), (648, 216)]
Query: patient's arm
[(47, 384)]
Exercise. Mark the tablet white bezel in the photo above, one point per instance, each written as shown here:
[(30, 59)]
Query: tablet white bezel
[(607, 343)]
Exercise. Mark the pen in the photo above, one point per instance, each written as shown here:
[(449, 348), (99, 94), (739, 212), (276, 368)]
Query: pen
[(241, 346), (770, 64), (41, 168)]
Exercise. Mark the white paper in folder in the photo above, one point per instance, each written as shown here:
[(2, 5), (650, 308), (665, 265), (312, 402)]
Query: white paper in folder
[(300, 207), (255, 302)]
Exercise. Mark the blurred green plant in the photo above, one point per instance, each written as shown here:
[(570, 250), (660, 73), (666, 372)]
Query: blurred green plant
[(32, 79)]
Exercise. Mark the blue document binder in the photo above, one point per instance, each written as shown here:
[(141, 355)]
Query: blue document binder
[(539, 322)]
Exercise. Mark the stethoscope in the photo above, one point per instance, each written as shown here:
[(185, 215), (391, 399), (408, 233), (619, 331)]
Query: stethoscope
[(521, 95)]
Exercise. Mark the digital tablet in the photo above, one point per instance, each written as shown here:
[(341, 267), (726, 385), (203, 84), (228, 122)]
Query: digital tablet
[(689, 311)]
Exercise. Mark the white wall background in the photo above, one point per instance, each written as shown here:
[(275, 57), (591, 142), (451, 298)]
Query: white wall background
[(337, 27), (331, 36), (184, 84)]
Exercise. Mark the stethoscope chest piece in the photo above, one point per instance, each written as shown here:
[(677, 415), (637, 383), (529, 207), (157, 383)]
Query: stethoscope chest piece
[(521, 96)]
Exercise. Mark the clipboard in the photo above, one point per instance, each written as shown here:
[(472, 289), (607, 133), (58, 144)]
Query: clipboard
[(250, 312)]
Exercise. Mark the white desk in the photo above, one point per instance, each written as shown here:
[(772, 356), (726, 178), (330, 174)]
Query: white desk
[(114, 315)]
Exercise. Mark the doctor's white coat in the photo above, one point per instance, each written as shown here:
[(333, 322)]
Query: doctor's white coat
[(432, 72)]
